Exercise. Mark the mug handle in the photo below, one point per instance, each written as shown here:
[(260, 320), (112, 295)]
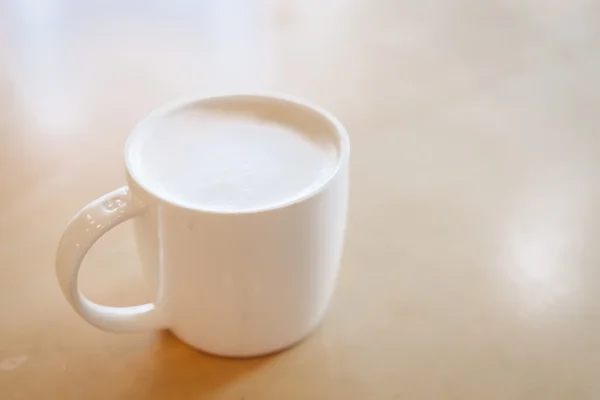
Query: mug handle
[(86, 227)]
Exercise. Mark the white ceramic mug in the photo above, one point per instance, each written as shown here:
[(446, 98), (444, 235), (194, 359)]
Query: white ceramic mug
[(246, 283)]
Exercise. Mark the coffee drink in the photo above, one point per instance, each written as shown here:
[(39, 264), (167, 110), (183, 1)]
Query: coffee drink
[(239, 207), (236, 155)]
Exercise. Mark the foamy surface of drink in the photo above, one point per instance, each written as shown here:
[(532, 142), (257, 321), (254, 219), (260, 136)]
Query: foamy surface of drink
[(236, 158)]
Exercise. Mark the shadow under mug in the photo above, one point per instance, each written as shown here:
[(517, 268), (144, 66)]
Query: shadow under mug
[(235, 284)]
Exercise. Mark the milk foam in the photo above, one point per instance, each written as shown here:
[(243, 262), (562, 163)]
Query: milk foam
[(233, 160)]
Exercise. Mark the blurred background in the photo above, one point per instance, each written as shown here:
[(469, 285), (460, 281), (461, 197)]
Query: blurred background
[(471, 262)]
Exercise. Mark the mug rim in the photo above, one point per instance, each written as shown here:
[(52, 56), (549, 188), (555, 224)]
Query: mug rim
[(160, 112)]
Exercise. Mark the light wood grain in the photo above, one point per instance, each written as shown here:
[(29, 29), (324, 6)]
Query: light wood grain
[(471, 266)]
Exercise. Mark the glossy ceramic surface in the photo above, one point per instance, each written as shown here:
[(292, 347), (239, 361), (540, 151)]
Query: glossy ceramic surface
[(236, 284)]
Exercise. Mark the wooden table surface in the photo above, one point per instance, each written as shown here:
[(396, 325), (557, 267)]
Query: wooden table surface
[(472, 265)]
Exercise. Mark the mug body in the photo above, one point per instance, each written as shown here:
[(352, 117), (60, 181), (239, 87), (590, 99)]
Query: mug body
[(244, 283)]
